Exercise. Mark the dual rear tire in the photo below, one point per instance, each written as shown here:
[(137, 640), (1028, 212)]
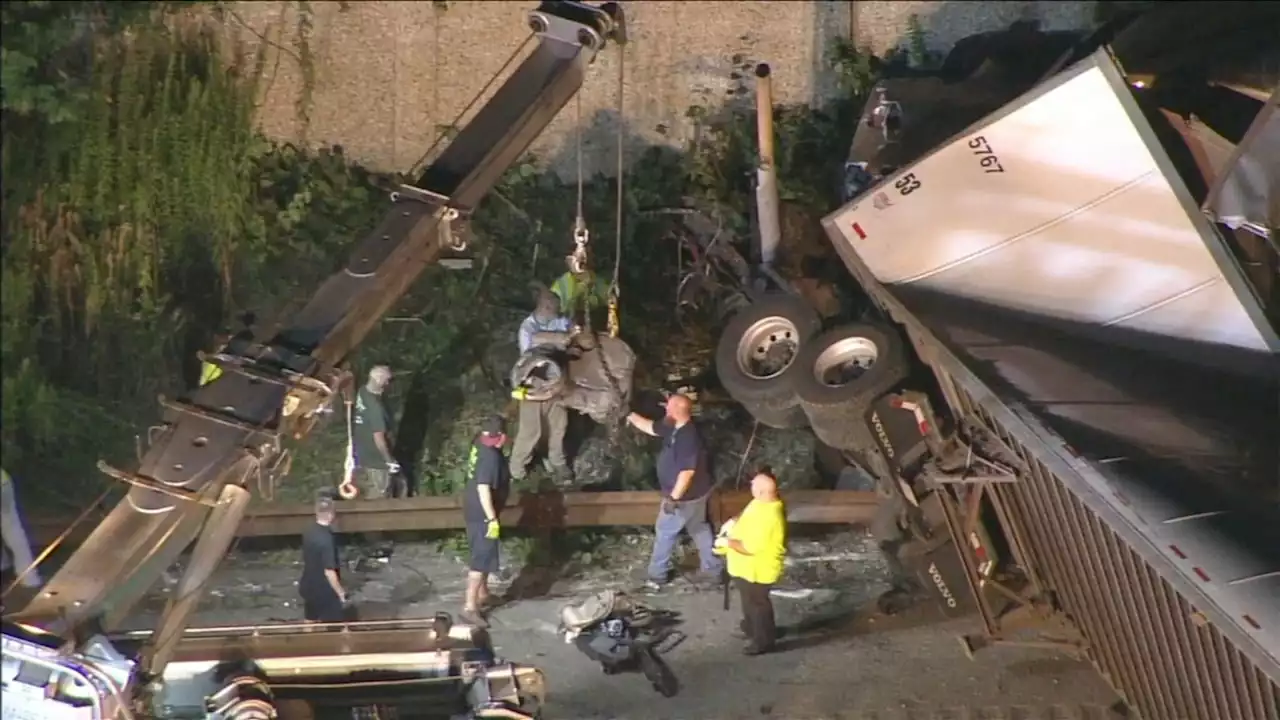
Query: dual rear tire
[(775, 361)]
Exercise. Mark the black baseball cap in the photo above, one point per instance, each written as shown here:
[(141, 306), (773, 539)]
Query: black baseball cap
[(494, 425)]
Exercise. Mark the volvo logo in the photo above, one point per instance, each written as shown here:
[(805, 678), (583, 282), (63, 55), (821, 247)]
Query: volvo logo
[(941, 584), (882, 435)]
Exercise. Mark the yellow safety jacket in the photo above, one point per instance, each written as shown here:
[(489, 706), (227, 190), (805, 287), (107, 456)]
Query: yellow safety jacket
[(762, 528), (208, 373)]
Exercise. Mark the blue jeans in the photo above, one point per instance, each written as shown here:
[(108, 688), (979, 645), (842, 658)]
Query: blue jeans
[(690, 516)]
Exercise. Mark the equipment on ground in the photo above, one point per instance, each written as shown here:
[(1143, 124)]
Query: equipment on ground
[(60, 656), (623, 635)]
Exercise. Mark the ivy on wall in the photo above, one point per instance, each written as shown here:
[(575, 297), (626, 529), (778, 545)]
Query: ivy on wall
[(142, 210)]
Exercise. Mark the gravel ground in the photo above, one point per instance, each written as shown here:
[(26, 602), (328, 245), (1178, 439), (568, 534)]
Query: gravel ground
[(856, 666)]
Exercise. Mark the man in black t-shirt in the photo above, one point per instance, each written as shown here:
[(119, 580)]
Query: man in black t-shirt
[(482, 503), (323, 597), (371, 438), (686, 486)]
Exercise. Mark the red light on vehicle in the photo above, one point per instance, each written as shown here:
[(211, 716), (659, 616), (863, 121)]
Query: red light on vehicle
[(857, 229)]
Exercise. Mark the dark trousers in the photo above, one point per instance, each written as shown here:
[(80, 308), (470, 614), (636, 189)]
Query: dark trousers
[(757, 614), (323, 605)]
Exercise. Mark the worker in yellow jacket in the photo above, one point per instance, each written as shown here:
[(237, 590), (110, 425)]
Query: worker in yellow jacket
[(580, 293), (208, 371), (754, 545)]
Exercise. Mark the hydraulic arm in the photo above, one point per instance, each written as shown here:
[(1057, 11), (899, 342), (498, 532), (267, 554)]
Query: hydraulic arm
[(192, 482)]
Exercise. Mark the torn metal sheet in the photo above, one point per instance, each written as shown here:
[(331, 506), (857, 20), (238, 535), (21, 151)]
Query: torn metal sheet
[(1247, 193)]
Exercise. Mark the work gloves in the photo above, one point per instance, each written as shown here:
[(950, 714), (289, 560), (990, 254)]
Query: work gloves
[(393, 467), (492, 529), (668, 506)]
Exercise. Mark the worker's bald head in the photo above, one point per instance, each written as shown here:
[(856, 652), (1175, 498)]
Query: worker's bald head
[(679, 407), (379, 377), (764, 486)]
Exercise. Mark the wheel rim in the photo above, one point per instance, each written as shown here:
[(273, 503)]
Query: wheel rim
[(768, 348), (845, 361)]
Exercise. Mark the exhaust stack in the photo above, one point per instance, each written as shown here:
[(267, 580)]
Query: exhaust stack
[(766, 173)]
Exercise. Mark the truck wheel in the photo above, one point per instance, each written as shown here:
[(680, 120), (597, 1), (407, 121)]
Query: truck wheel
[(785, 417), (756, 359), (844, 371)]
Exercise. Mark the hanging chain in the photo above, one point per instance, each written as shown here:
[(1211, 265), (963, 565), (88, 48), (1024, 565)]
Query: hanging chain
[(619, 201), (578, 261)]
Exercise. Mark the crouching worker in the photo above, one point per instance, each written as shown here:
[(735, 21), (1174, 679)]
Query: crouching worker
[(754, 544), (324, 599), (482, 503)]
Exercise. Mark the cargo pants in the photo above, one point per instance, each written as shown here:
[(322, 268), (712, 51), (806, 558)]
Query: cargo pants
[(538, 421)]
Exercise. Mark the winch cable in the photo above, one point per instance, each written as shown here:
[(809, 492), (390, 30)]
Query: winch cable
[(614, 288), (581, 236)]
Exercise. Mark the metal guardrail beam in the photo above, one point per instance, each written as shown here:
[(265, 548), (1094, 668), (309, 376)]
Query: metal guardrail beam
[(548, 510)]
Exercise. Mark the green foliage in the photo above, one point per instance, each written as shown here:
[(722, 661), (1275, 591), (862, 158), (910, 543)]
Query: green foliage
[(133, 229), (152, 212), (46, 51)]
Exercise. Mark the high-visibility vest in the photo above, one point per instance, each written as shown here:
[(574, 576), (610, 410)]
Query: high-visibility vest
[(576, 294), (208, 373)]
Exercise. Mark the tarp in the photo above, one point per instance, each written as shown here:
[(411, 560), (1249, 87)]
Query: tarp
[(1246, 194)]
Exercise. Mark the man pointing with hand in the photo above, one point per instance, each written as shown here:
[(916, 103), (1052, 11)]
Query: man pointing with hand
[(686, 485)]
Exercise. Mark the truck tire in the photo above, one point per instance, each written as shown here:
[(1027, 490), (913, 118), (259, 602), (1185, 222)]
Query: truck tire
[(844, 371), (756, 359), (784, 417)]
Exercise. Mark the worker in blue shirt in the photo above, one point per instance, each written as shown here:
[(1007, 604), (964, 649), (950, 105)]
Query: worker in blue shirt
[(539, 418)]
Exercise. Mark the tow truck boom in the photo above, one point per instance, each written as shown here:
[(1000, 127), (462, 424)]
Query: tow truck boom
[(192, 482)]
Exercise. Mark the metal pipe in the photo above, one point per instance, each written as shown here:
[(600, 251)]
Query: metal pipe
[(766, 172)]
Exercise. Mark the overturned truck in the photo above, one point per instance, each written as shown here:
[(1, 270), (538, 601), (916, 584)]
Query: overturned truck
[(1065, 381)]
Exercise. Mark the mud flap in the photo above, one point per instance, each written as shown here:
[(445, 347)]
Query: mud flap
[(936, 564)]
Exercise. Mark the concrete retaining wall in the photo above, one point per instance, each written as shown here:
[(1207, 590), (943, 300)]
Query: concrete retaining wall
[(385, 75)]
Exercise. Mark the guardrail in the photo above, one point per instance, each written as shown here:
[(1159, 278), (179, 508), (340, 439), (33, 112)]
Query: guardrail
[(546, 510)]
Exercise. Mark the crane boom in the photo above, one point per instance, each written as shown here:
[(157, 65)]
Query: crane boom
[(191, 482)]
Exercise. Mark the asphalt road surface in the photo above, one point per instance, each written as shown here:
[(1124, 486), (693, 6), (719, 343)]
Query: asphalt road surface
[(858, 666)]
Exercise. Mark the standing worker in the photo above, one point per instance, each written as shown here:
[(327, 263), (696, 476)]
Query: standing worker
[(15, 535), (540, 418), (580, 292), (686, 485), (482, 504), (323, 597), (754, 544), (372, 462)]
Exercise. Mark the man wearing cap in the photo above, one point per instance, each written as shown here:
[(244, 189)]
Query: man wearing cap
[(323, 597), (686, 485), (482, 503), (371, 437)]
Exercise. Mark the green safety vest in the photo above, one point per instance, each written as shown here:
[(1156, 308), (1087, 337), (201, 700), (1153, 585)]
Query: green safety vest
[(578, 294)]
